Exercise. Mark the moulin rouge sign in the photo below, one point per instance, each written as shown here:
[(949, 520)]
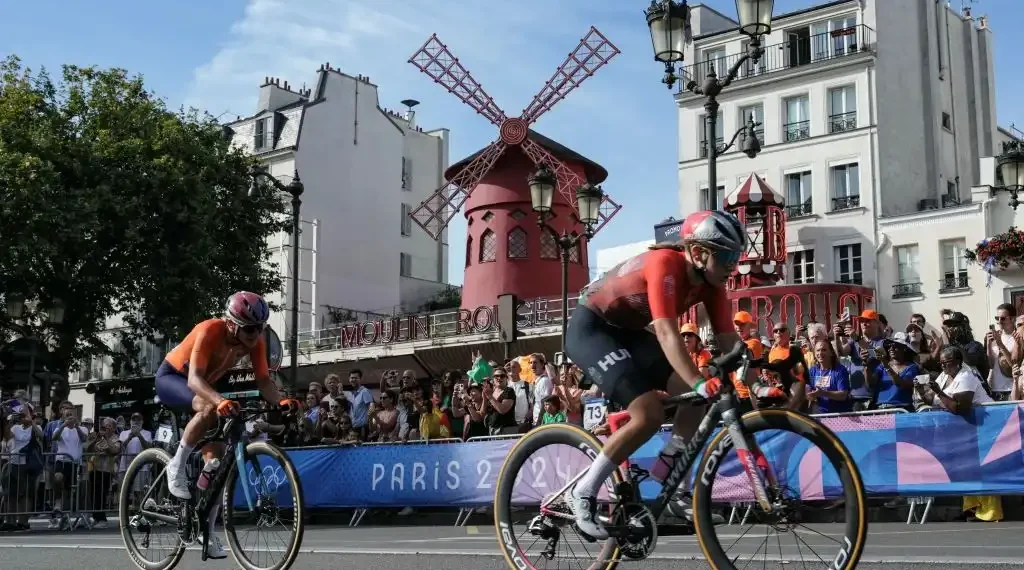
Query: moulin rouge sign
[(407, 328)]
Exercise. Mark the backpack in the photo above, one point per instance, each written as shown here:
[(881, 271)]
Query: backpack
[(33, 457)]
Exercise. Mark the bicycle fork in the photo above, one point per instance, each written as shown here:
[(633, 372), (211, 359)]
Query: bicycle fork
[(751, 458)]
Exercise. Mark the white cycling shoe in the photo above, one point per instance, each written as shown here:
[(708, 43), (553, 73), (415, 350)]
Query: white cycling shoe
[(215, 549), (176, 483), (585, 511)]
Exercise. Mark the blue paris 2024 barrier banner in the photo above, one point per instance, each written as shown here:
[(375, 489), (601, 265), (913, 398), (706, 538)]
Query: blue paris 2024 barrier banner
[(922, 454)]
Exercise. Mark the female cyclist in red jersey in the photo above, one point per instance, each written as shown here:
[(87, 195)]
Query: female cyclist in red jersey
[(189, 371), (608, 338)]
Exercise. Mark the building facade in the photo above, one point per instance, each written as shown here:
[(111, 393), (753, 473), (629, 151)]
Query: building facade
[(864, 107), (922, 264), (363, 167)]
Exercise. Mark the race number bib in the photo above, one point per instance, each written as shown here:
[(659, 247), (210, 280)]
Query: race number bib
[(164, 434), (594, 412)]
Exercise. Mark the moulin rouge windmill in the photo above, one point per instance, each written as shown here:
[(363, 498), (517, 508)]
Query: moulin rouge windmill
[(506, 251)]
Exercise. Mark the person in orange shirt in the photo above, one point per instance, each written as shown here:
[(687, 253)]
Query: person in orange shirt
[(743, 322), (189, 371), (700, 355)]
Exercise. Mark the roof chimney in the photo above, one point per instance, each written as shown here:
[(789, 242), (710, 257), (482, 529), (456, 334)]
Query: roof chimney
[(410, 115), (983, 22), (967, 12)]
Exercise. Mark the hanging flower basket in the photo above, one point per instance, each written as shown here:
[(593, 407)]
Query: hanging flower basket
[(1000, 251)]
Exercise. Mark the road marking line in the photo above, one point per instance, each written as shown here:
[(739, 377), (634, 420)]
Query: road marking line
[(472, 530)]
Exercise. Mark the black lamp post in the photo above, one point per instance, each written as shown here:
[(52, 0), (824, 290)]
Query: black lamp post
[(295, 189), (588, 201), (669, 24), (53, 315), (1010, 168)]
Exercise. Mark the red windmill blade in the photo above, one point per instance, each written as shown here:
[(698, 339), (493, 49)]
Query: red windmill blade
[(437, 61)]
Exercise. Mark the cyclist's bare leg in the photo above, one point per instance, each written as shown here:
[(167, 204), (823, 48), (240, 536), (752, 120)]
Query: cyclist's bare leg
[(646, 414), (202, 420)]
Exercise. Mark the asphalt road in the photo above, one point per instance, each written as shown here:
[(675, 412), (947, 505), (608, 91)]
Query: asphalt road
[(892, 546)]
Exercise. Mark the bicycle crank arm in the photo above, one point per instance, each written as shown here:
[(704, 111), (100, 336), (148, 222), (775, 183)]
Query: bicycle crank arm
[(168, 519)]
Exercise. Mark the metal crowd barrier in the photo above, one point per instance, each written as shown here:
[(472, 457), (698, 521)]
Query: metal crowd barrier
[(70, 494), (94, 486)]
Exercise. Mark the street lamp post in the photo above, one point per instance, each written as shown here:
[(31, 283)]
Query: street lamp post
[(669, 24), (54, 315), (1010, 167), (294, 189), (588, 201)]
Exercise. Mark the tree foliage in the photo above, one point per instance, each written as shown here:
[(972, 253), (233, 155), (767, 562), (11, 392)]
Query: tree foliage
[(114, 205)]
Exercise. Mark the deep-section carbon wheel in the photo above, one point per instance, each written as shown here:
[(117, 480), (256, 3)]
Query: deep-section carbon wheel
[(826, 515), (539, 470)]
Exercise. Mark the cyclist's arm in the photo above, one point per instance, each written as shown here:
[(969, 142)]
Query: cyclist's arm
[(662, 281), (264, 383), (198, 367)]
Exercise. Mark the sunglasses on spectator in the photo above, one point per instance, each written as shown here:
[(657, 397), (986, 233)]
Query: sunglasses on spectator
[(780, 330), (948, 363)]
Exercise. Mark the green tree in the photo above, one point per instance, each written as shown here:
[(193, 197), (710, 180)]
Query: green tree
[(113, 204)]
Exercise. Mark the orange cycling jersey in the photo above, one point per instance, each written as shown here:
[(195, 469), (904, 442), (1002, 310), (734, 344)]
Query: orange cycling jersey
[(654, 285), (211, 347)]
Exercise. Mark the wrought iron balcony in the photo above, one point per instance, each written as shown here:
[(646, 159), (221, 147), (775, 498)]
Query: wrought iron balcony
[(953, 283), (796, 131), (719, 142), (845, 203), (787, 55), (797, 210), (904, 290), (842, 122)]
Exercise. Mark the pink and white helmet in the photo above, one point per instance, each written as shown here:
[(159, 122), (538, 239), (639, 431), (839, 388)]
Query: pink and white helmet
[(247, 309), (716, 229)]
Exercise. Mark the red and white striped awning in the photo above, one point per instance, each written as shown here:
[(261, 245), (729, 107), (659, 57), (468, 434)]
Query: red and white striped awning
[(754, 190)]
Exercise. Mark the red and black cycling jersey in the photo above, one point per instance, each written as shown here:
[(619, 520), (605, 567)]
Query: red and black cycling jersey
[(654, 285)]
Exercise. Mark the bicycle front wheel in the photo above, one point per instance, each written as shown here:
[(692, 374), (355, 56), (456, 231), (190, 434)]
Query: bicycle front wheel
[(807, 468), (275, 498), (539, 470)]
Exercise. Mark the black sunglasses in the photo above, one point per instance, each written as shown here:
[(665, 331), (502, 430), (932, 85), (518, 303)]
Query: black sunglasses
[(253, 329)]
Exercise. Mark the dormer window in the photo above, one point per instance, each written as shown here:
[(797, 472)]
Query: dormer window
[(261, 134)]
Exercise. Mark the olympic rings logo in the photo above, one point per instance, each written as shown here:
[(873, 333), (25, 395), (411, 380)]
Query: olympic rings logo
[(273, 478)]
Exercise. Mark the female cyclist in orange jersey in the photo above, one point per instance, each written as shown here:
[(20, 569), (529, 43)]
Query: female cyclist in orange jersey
[(189, 371)]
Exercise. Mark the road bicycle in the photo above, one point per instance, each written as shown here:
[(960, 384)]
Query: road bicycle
[(632, 523), (256, 481)]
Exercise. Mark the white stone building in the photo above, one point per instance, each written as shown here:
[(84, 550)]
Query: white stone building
[(364, 167), (921, 259), (865, 106)]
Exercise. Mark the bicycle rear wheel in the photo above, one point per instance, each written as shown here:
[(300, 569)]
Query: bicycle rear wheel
[(144, 497), (816, 462), (538, 469), (276, 496)]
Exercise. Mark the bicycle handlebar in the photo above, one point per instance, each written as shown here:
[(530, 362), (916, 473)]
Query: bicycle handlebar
[(740, 357)]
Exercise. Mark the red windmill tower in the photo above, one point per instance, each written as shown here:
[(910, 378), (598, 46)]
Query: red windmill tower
[(506, 251)]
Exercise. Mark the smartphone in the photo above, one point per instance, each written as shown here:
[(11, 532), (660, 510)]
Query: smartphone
[(991, 327), (923, 379), (325, 406), (560, 359)]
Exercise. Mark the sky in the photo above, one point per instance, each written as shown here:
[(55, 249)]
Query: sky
[(214, 54)]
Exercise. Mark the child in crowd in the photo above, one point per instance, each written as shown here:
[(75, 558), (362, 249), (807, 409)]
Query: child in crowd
[(553, 413)]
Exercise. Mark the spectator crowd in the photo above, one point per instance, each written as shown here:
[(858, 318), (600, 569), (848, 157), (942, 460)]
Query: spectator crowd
[(860, 364)]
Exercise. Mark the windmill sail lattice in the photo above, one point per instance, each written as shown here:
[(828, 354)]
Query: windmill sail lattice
[(437, 61)]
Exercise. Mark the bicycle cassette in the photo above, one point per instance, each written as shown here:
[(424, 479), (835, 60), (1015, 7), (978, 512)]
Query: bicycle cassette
[(642, 537)]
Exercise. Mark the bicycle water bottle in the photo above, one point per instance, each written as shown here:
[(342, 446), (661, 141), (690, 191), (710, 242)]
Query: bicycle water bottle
[(667, 458), (207, 474)]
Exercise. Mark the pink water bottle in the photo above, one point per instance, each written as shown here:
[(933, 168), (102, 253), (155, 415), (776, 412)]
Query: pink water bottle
[(207, 474)]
